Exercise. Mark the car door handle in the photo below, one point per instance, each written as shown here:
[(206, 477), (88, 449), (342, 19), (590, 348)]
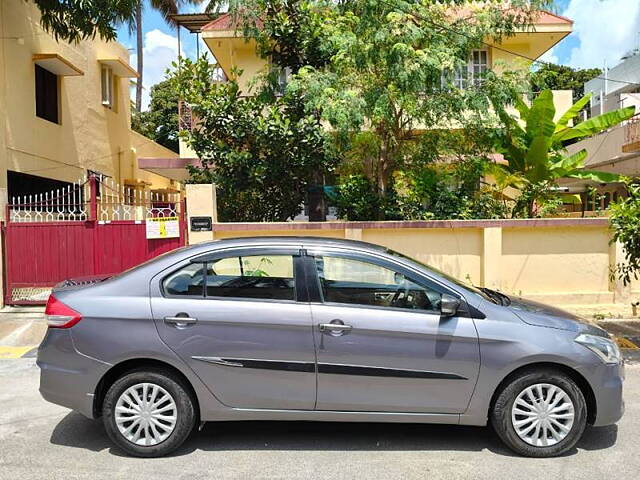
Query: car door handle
[(180, 322), (334, 327)]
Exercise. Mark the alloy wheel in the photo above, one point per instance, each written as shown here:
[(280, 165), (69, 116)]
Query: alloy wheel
[(542, 415), (146, 414)]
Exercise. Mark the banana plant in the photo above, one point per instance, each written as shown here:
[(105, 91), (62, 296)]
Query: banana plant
[(533, 145)]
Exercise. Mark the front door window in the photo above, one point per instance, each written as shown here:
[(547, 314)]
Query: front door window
[(352, 281)]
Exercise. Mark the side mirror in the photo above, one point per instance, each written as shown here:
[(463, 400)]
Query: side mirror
[(449, 305)]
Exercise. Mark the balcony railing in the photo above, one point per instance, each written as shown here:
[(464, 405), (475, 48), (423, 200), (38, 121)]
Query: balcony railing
[(632, 135)]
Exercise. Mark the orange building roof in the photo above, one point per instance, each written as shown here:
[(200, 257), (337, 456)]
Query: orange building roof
[(225, 21), (548, 17)]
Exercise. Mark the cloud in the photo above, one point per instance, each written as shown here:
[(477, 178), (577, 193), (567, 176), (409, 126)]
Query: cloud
[(160, 49), (550, 57), (606, 30)]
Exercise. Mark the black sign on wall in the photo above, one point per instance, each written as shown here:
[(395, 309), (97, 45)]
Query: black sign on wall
[(201, 224)]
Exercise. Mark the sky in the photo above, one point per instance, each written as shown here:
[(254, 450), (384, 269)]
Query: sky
[(160, 47), (603, 31)]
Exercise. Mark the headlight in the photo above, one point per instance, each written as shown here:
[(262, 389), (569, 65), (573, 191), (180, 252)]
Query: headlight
[(605, 348)]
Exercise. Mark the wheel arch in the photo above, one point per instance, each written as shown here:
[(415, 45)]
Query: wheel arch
[(126, 366), (576, 376)]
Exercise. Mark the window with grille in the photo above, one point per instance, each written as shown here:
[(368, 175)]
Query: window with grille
[(470, 74), (478, 66)]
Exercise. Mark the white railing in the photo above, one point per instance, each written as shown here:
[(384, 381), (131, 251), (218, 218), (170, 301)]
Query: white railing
[(68, 204), (94, 198), (125, 202), (632, 131)]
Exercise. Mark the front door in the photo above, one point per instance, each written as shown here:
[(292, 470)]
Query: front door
[(238, 320), (382, 344)]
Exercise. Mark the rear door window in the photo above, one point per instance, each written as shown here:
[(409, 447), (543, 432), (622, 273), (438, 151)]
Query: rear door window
[(253, 276), (186, 282)]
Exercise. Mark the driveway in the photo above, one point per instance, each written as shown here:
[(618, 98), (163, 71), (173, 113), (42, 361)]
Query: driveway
[(41, 440)]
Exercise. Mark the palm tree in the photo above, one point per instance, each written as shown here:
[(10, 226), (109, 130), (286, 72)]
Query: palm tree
[(166, 9)]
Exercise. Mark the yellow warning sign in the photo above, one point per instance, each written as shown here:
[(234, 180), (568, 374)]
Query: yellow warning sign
[(163, 227)]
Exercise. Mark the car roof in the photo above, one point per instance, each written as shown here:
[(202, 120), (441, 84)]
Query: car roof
[(289, 240)]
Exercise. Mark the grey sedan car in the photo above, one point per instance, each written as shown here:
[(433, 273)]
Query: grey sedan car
[(293, 328)]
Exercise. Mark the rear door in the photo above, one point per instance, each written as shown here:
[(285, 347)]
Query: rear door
[(241, 320), (382, 344)]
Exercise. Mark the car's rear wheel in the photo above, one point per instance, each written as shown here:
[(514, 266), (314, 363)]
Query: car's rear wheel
[(148, 413), (540, 413)]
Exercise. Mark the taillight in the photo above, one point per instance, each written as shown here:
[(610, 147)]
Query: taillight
[(58, 315)]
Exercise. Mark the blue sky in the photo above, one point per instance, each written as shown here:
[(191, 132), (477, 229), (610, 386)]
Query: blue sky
[(160, 46), (604, 30)]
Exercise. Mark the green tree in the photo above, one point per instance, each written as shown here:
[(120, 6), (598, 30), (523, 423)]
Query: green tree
[(261, 155), (561, 77), (290, 33), (160, 121), (388, 74), (625, 223), (75, 20), (380, 72), (535, 153), (356, 198)]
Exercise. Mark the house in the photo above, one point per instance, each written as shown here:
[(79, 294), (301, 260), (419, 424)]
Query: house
[(65, 111), (232, 51), (237, 59), (234, 54), (616, 150)]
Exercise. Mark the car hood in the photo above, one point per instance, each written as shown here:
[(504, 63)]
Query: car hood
[(541, 315)]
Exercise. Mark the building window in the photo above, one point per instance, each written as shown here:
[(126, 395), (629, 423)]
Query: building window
[(478, 66), (471, 74), (46, 95), (108, 87), (460, 75)]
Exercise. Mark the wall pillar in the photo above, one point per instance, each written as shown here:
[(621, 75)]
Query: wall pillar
[(491, 257), (201, 202)]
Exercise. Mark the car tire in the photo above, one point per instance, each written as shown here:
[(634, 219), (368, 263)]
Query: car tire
[(538, 427), (148, 413)]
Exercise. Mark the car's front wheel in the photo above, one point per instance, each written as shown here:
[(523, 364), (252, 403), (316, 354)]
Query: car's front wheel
[(148, 413), (540, 413)]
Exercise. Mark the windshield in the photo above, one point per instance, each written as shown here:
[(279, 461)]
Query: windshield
[(454, 280)]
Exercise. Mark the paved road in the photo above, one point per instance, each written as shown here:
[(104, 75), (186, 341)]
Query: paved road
[(40, 440)]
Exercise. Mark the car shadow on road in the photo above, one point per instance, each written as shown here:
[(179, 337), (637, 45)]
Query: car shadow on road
[(74, 430)]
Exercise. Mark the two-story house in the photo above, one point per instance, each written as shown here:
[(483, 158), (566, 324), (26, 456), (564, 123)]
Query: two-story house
[(234, 53), (65, 111)]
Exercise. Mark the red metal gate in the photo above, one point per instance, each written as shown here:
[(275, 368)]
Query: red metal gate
[(95, 227)]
